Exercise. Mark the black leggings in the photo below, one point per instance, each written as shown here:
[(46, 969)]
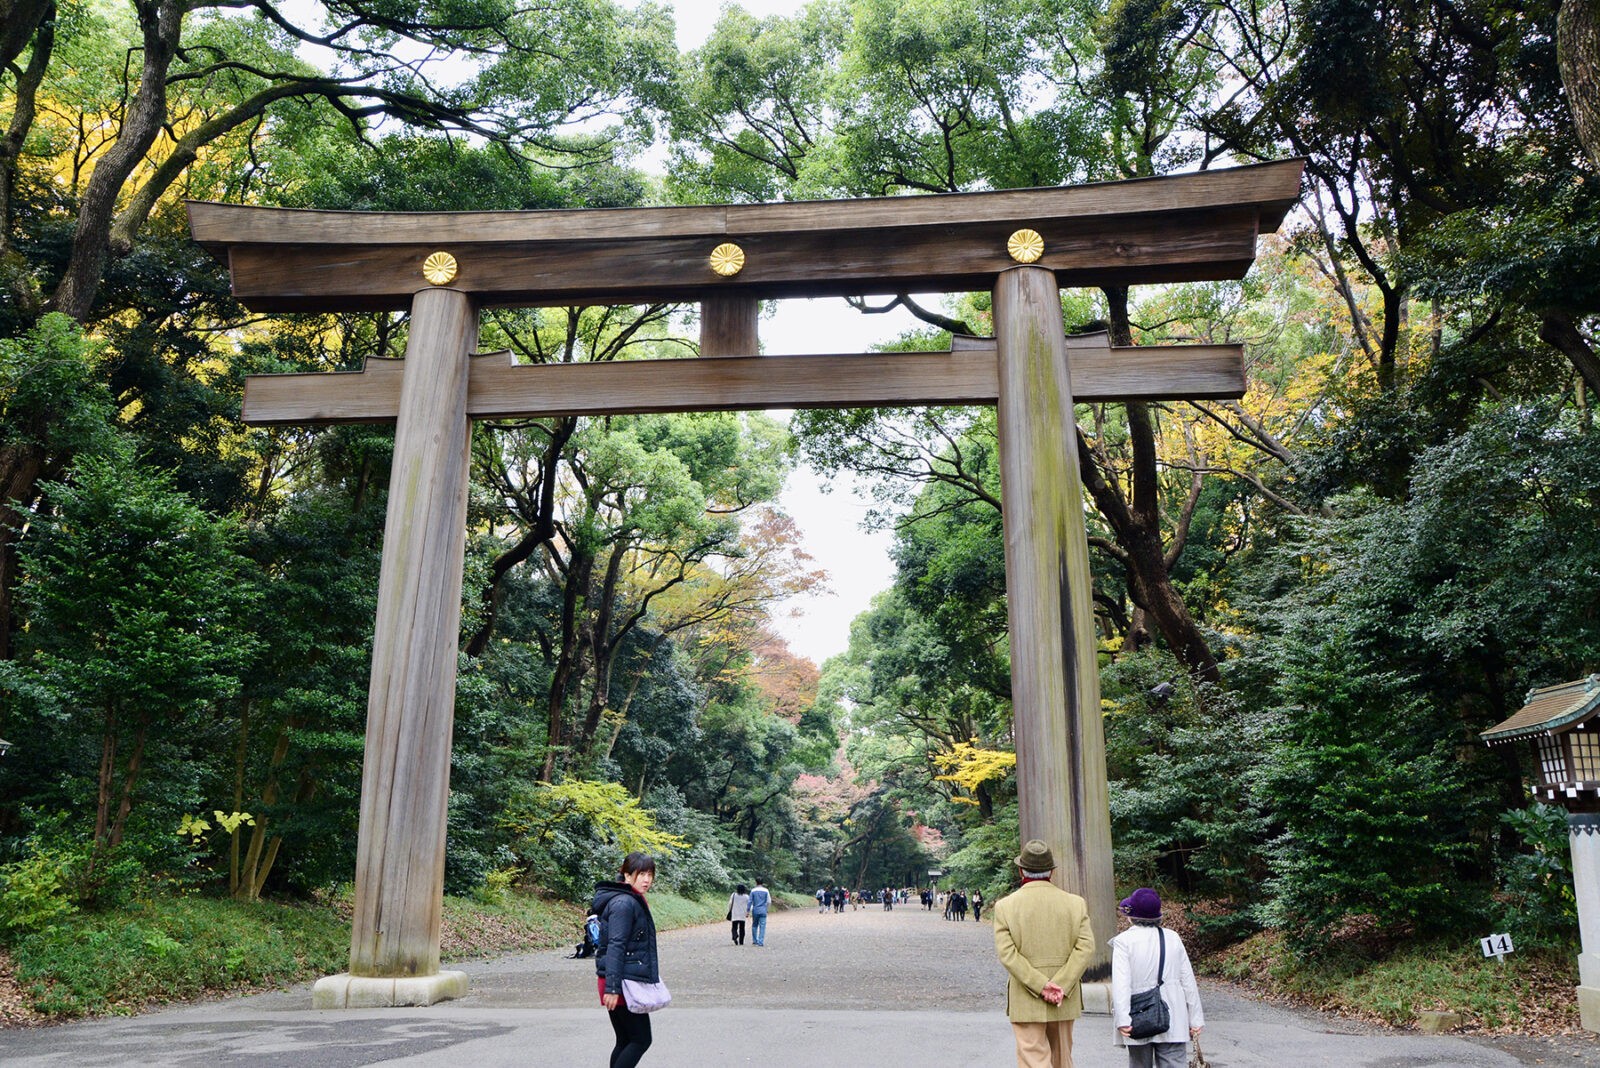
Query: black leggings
[(633, 1036)]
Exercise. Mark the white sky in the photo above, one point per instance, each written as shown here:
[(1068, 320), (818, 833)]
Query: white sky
[(696, 17), (857, 561)]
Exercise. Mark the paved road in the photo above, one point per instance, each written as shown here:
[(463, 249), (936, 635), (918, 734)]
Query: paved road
[(903, 989)]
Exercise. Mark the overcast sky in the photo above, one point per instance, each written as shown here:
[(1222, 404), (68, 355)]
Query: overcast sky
[(696, 17)]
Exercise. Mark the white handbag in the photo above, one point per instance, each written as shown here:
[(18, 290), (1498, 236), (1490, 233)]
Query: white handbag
[(645, 997)]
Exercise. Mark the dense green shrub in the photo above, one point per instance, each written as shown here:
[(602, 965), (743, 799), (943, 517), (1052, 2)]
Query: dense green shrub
[(1537, 903)]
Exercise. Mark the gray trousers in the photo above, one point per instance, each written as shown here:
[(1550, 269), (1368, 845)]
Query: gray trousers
[(1159, 1055)]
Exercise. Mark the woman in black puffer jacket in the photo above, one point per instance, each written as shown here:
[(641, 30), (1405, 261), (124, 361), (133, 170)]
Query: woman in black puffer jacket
[(627, 950)]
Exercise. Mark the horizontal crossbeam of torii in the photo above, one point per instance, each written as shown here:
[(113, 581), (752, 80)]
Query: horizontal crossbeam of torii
[(1020, 244)]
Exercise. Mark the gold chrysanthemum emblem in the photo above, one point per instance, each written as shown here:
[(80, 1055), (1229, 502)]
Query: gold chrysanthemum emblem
[(727, 260), (439, 268), (1025, 246)]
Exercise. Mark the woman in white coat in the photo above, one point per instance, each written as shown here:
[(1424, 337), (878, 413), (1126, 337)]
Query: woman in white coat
[(1135, 958), (738, 912)]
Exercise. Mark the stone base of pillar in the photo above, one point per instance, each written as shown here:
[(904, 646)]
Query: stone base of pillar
[(346, 991), (1097, 999), (1589, 1007)]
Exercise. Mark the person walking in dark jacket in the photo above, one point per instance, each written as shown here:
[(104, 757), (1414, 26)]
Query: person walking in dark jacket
[(627, 951)]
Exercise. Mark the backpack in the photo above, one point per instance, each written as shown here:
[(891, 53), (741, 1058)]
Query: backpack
[(591, 939)]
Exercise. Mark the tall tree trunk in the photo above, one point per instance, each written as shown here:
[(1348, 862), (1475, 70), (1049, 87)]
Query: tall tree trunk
[(1578, 53), (103, 783), (1137, 523), (161, 24), (19, 21), (568, 671), (15, 279), (541, 529), (603, 649), (240, 753), (21, 468), (253, 872), (1559, 331), (130, 779)]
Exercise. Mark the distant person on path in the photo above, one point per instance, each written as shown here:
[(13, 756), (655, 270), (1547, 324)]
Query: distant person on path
[(738, 912), (888, 899), (1042, 936), (760, 901), (977, 906), (927, 900), (1135, 959), (822, 899), (627, 951)]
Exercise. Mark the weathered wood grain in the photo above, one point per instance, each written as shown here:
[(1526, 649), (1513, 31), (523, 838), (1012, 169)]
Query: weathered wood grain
[(499, 389), (730, 326), (1169, 229), (1272, 186), (1055, 684), (1212, 244), (405, 778)]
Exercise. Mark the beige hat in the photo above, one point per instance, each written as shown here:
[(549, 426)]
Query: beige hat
[(1036, 857)]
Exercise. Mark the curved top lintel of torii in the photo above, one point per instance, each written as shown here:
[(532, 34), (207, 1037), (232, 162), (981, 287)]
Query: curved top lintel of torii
[(1186, 227)]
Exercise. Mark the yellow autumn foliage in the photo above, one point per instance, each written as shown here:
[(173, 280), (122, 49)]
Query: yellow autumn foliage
[(967, 766)]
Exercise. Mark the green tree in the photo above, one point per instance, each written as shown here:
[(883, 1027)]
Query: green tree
[(1389, 636), (54, 406), (134, 597), (298, 723), (1411, 113), (205, 80)]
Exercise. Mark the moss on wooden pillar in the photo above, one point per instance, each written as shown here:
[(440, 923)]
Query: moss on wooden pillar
[(405, 779), (1055, 684)]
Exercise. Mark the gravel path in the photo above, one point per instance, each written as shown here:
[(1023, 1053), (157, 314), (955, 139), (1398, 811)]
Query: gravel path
[(906, 958)]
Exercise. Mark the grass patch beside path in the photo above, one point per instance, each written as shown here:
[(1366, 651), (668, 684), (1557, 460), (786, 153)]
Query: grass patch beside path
[(673, 910), (180, 948), (171, 949), (1531, 993), (472, 929)]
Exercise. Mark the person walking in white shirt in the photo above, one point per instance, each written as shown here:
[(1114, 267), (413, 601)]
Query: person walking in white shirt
[(1137, 964), (738, 912)]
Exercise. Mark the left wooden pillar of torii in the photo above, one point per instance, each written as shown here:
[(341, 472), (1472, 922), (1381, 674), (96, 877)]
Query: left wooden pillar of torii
[(405, 778)]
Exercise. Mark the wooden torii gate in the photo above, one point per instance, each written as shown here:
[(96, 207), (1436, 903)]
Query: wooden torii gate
[(444, 267)]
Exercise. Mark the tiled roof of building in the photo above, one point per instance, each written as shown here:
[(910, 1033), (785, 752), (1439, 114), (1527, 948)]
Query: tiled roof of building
[(1551, 709)]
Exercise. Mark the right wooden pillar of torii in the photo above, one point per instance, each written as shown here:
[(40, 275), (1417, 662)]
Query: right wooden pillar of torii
[(1021, 245)]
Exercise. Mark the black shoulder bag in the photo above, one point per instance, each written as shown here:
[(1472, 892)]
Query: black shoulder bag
[(1147, 1012)]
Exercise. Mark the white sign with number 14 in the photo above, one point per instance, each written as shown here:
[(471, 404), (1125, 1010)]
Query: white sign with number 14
[(1496, 946)]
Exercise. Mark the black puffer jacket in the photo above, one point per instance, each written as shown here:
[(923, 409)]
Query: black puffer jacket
[(627, 947)]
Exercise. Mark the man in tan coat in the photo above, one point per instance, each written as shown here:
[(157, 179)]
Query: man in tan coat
[(1043, 937)]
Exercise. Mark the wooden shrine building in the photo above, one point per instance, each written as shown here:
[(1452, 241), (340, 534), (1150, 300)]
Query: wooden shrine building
[(1563, 725), (1021, 245)]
